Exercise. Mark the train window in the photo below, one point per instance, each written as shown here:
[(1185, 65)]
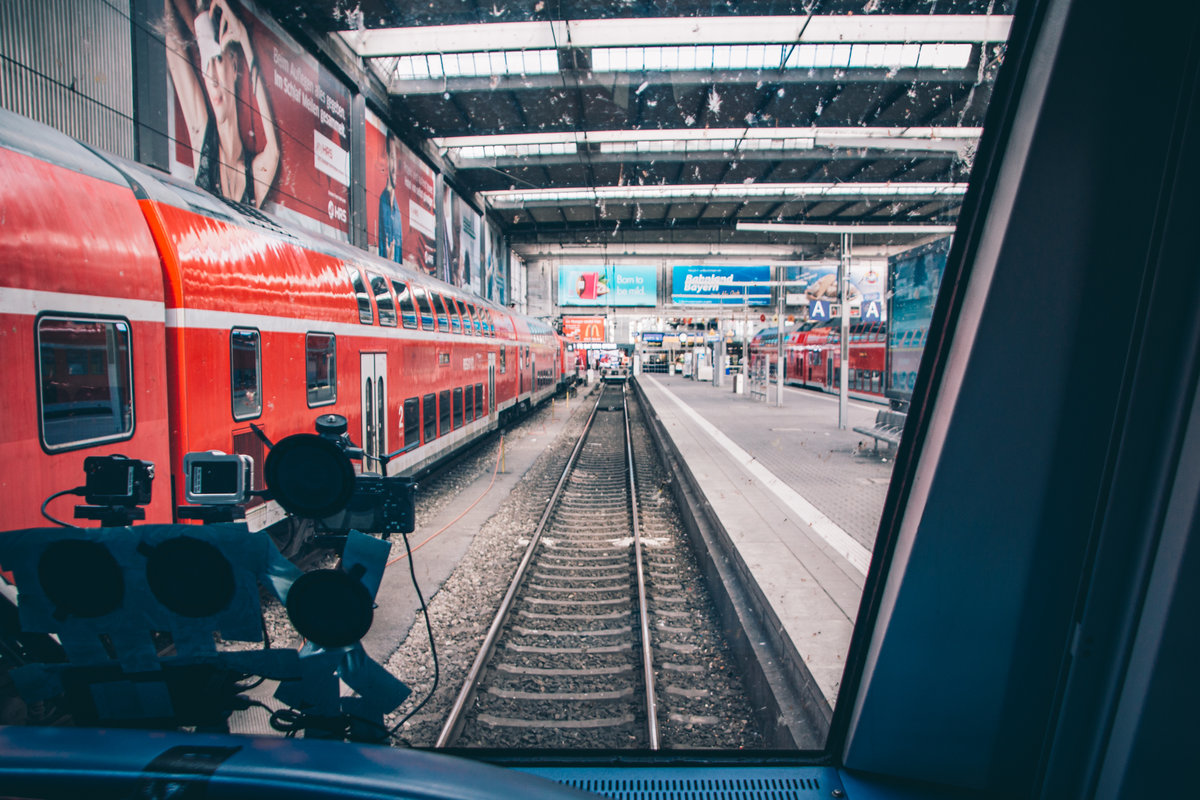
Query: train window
[(458, 407), (503, 359), (421, 297), (429, 417), (476, 314), (245, 364), (85, 381), (383, 299), (478, 400), (404, 299), (466, 317), (455, 317), (439, 308), (320, 368), (412, 422), (365, 315), (469, 403), (444, 412)]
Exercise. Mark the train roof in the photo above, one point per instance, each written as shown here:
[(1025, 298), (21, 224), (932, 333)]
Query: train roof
[(49, 144)]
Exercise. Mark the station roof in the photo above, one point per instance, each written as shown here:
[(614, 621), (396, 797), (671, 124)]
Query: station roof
[(629, 122)]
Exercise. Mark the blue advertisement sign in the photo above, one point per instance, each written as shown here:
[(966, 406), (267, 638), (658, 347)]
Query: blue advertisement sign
[(612, 285), (867, 289), (652, 338), (916, 276), (721, 286)]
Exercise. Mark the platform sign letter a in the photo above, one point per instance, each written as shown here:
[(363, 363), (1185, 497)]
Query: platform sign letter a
[(818, 309), (871, 311)]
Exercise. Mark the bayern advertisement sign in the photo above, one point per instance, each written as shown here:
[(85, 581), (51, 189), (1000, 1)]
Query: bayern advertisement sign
[(612, 285), (721, 286)]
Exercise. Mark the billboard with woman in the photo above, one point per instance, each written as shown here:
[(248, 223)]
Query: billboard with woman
[(256, 119)]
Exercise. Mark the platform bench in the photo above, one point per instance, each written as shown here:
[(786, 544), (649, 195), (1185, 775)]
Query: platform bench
[(888, 427)]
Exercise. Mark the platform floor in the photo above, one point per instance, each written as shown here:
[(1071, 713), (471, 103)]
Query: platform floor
[(799, 500)]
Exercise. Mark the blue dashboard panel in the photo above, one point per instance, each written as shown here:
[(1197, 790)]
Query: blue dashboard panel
[(82, 762)]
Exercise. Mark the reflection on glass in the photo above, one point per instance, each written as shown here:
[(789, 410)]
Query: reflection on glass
[(85, 393)]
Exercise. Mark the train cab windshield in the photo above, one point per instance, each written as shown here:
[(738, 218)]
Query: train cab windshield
[(581, 385)]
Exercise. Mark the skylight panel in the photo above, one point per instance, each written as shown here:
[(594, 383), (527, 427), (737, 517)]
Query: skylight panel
[(499, 65), (739, 57), (944, 56), (652, 57), (721, 57), (670, 58)]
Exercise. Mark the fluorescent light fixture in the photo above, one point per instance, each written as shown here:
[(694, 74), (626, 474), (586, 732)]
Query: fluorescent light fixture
[(814, 227), (685, 32), (818, 134), (724, 191), (691, 140)]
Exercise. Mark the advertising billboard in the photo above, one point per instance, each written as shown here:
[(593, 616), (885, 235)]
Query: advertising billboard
[(915, 277), (256, 119), (608, 285), (469, 274), (867, 289), (583, 329), (696, 286), (401, 216)]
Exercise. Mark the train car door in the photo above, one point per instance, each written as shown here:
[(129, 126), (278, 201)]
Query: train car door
[(491, 384), (373, 379)]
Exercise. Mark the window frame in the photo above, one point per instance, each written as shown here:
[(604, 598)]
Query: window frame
[(444, 413), (412, 414), (332, 373), (41, 406), (362, 295), (258, 361), (425, 308), (429, 418), (456, 405), (439, 311), (393, 319), (409, 315)]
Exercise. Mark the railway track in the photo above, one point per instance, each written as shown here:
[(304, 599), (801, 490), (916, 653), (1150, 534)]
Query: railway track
[(605, 638)]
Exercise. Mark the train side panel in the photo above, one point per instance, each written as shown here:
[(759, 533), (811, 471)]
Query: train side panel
[(81, 329)]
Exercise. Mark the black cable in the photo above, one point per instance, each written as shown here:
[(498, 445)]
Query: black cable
[(432, 649), (291, 721), (78, 490)]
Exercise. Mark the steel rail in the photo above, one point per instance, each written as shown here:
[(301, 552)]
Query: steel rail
[(452, 727), (643, 610)]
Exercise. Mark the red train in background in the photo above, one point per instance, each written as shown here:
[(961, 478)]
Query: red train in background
[(142, 316), (813, 355)]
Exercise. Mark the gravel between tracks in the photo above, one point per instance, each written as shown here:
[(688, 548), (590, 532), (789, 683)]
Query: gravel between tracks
[(463, 608)]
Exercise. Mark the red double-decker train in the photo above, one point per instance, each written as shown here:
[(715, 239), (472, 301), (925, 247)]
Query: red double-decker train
[(140, 315), (812, 356)]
